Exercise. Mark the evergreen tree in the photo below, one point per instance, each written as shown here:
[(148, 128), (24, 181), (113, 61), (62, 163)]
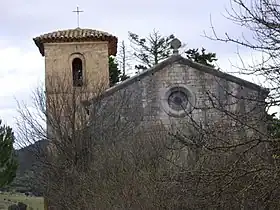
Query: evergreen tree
[(273, 128), (202, 58), (273, 125), (115, 73), (151, 50), (8, 163)]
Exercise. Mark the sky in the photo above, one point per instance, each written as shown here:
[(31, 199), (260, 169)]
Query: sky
[(22, 66)]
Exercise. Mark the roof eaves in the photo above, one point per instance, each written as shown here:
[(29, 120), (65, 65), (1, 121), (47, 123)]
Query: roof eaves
[(224, 75), (177, 58), (143, 74), (71, 35)]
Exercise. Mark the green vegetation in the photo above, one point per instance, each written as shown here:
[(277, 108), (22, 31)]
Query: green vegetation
[(154, 48), (116, 75), (26, 179), (8, 163), (201, 57), (150, 50), (274, 132), (33, 203)]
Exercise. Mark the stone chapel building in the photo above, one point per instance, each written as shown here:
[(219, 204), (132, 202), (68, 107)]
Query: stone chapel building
[(168, 93)]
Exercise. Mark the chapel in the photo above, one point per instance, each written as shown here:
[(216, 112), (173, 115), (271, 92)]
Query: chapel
[(173, 93), (168, 93)]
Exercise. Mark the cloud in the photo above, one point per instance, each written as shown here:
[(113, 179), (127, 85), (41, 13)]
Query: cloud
[(21, 72), (22, 67), (8, 116)]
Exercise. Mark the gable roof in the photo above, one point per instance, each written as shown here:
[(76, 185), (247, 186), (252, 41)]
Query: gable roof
[(181, 60)]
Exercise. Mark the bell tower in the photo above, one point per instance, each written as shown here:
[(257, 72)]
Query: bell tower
[(76, 59), (76, 67)]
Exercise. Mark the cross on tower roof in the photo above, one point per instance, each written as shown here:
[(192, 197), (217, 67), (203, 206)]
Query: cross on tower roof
[(78, 15)]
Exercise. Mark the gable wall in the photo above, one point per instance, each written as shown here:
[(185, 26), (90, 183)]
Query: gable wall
[(145, 97), (139, 105)]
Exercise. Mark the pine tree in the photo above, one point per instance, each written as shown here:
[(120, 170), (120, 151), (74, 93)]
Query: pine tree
[(115, 73), (202, 58), (273, 128), (150, 50), (8, 163)]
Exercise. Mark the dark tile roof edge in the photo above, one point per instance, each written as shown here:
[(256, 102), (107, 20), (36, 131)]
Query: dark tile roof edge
[(178, 58), (224, 75), (76, 35), (143, 74)]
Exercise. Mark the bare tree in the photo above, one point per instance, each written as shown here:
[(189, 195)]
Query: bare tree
[(102, 156), (124, 59), (97, 157), (230, 163), (261, 19)]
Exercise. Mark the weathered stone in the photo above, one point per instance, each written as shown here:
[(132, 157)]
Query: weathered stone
[(142, 100), (147, 93), (58, 64)]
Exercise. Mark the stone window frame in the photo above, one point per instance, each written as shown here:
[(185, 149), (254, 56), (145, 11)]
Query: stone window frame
[(165, 93), (82, 58)]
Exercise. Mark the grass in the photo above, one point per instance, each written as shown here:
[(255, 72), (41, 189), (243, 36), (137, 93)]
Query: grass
[(33, 203)]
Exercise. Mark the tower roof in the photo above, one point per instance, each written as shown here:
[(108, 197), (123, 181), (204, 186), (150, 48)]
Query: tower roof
[(77, 35)]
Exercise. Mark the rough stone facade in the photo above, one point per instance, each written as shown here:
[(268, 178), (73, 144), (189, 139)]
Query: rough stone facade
[(144, 98), (58, 61), (207, 95)]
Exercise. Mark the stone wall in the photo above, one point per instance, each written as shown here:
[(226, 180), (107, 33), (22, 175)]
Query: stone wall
[(146, 97), (58, 64)]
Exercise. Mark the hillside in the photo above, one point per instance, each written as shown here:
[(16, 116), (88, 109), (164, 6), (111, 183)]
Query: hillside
[(29, 166), (27, 156)]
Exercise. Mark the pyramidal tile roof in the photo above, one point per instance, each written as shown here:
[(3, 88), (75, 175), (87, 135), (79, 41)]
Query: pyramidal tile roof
[(77, 35)]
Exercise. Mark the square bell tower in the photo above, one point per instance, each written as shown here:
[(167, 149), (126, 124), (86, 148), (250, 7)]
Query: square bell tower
[(76, 59)]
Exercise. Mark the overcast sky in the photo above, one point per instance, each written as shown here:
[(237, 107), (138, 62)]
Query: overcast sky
[(22, 66)]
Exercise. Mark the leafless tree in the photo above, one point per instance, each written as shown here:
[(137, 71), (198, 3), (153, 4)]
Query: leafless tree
[(230, 163), (97, 157), (261, 19), (124, 60), (101, 156)]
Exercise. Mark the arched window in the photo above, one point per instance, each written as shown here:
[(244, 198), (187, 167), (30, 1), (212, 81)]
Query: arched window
[(77, 71)]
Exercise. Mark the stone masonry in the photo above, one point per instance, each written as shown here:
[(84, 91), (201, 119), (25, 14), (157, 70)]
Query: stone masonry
[(147, 99)]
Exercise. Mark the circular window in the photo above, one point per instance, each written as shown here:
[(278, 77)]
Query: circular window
[(177, 101)]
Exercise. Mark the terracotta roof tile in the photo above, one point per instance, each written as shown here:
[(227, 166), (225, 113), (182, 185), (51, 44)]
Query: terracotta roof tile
[(77, 35)]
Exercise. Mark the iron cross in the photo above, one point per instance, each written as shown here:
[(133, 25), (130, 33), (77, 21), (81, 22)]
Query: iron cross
[(78, 15)]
